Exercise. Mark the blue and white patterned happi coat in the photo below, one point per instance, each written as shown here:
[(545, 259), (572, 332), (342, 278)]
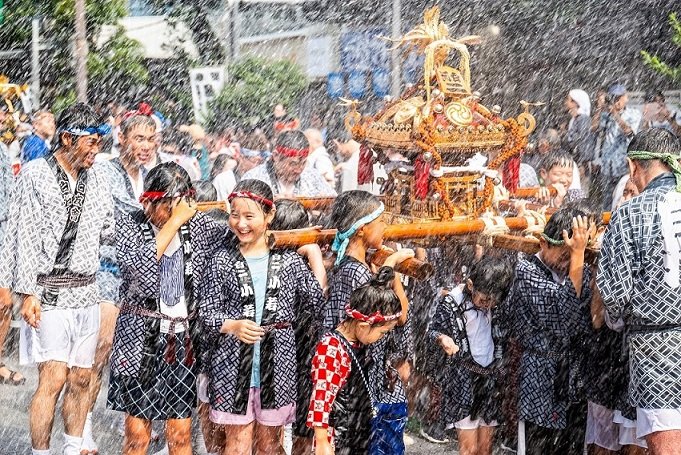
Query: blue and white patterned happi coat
[(6, 181), (548, 317), (36, 222), (108, 279), (631, 280), (220, 299), (141, 280)]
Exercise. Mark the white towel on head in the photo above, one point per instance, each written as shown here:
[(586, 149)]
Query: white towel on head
[(582, 99)]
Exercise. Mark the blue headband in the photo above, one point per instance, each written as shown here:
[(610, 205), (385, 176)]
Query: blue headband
[(249, 153), (102, 130), (342, 239)]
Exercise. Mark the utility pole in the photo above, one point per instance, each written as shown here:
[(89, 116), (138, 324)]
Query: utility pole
[(234, 26), (35, 61), (81, 52), (395, 56)]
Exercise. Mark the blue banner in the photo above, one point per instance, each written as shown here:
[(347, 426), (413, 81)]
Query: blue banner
[(364, 50), (381, 83), (334, 85), (357, 84)]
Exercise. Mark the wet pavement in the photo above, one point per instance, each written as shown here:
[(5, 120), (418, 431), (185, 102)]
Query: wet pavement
[(14, 433)]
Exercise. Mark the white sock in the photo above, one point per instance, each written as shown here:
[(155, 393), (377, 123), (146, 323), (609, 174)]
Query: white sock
[(40, 452), (288, 439), (89, 443), (72, 444)]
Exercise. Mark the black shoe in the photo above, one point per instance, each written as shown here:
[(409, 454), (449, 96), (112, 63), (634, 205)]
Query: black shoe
[(434, 433)]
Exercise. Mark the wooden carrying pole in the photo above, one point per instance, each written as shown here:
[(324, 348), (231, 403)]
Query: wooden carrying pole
[(398, 232), (530, 245), (299, 237), (208, 206), (411, 267), (395, 232)]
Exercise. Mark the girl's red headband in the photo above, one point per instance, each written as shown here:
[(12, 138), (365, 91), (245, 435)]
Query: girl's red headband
[(249, 195), (158, 195), (374, 318), (291, 152)]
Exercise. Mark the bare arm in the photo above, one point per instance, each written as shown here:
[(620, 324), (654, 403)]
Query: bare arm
[(582, 230), (182, 212), (313, 254), (597, 308), (393, 260)]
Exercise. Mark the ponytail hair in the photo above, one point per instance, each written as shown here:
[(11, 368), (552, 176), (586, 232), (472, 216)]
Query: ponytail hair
[(376, 301)]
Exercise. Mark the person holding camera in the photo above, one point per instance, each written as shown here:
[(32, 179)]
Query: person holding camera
[(615, 124), (656, 114)]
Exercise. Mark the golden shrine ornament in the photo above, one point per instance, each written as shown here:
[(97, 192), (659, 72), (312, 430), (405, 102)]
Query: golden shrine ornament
[(458, 113)]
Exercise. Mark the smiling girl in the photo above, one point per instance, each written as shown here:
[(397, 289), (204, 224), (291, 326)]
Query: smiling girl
[(250, 304)]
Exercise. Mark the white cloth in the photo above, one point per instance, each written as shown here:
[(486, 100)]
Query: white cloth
[(619, 192), (652, 420), (576, 179), (319, 159), (468, 424), (583, 102), (478, 331), (137, 185), (224, 183), (601, 428), (72, 444), (66, 335), (627, 433), (202, 387), (348, 173)]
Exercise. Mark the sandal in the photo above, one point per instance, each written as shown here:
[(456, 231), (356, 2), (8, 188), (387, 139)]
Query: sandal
[(12, 378)]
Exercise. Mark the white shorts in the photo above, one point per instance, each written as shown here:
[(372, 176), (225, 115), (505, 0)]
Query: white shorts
[(628, 431), (468, 424), (66, 335), (652, 420), (601, 428)]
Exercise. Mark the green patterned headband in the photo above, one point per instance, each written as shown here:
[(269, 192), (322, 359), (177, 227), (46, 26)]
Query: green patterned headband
[(667, 158), (552, 241)]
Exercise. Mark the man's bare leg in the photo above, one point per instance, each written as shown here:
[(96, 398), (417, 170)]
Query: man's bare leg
[(5, 320), (51, 380), (76, 403), (664, 442), (108, 313)]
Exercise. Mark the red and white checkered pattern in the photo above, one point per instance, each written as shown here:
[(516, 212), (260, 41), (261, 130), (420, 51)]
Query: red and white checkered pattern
[(331, 368)]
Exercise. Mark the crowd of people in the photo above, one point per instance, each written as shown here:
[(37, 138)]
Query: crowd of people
[(192, 314)]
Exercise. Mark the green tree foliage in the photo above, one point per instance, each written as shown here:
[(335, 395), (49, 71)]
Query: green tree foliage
[(656, 63), (255, 85), (115, 68)]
